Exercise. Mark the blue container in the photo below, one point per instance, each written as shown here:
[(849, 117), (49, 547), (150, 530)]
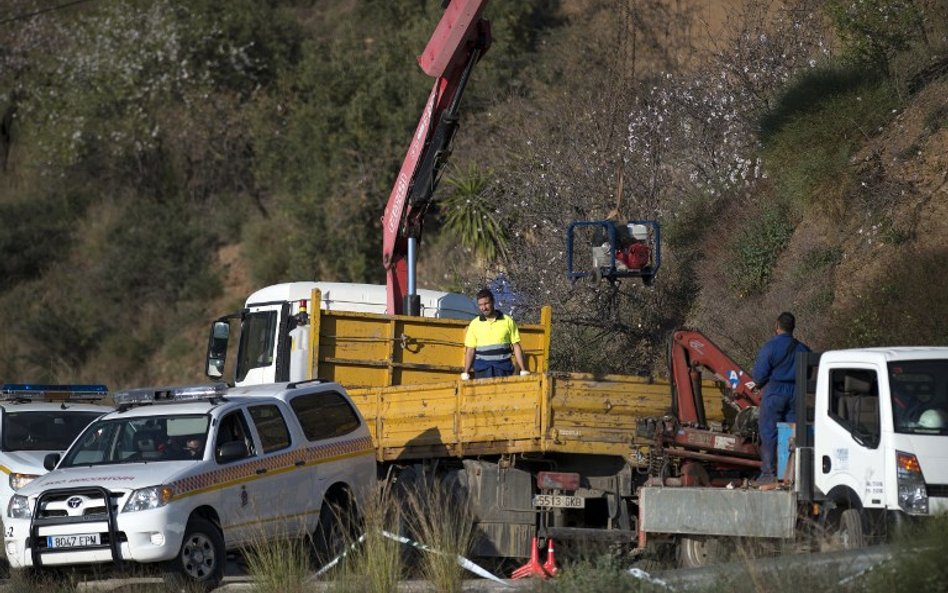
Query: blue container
[(786, 434)]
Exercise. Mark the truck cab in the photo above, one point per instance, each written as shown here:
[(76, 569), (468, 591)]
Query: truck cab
[(880, 438), (275, 328)]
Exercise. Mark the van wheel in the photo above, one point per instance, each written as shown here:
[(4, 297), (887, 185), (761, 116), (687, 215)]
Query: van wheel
[(200, 562), (850, 533)]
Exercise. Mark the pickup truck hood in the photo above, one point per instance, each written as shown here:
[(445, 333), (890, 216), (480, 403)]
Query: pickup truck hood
[(25, 462), (125, 476)]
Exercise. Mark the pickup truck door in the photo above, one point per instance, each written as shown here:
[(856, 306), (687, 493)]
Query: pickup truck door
[(239, 491), (848, 434), (283, 483)]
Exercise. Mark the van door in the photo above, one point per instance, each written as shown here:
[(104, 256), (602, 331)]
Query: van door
[(847, 441)]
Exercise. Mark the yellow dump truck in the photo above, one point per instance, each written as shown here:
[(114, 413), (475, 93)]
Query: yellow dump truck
[(551, 451)]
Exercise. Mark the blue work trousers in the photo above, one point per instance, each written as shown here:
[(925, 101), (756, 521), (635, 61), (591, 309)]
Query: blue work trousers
[(484, 369), (777, 406)]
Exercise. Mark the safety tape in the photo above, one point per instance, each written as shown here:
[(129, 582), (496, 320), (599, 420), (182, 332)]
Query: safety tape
[(462, 561), (644, 576)]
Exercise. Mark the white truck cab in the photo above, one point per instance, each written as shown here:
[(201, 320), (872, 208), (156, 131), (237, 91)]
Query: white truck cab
[(274, 336), (880, 439), (36, 420), (179, 476)]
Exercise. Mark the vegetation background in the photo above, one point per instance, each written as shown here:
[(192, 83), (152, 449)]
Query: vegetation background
[(161, 159)]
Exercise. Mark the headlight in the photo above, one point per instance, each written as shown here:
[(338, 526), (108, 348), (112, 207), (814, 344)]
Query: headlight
[(19, 507), (913, 496), (18, 481), (152, 497)]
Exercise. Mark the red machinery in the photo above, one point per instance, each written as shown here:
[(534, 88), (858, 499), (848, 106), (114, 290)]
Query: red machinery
[(685, 433), (459, 40)]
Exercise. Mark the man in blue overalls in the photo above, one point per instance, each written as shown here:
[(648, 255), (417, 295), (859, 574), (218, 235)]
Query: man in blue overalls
[(775, 373)]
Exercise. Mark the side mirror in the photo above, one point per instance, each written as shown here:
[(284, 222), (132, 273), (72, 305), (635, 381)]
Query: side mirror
[(51, 460), (217, 349), (232, 451)]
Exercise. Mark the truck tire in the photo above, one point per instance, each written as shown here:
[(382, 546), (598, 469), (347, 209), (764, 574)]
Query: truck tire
[(698, 551), (850, 531), (200, 562)]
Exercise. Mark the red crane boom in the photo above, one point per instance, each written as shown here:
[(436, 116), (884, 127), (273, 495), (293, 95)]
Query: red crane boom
[(459, 40)]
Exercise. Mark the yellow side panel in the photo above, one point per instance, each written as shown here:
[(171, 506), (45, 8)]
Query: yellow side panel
[(369, 350), (569, 413)]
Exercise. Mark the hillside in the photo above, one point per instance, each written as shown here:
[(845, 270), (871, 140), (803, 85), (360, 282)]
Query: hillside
[(161, 160)]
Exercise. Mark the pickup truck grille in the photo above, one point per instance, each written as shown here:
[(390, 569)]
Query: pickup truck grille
[(94, 505), (80, 503)]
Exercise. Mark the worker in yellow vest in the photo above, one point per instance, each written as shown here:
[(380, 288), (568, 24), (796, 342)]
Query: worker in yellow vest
[(490, 341)]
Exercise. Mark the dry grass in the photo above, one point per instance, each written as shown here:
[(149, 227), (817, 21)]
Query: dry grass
[(440, 518), (374, 564)]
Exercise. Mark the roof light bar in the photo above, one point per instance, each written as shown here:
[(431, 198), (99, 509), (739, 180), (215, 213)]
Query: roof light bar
[(183, 393), (41, 392)]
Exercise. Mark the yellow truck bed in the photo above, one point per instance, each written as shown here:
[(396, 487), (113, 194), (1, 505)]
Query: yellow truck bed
[(552, 412), (403, 373)]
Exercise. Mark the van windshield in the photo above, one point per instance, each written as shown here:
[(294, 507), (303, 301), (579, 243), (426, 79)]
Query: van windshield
[(134, 440), (47, 430), (919, 396), (257, 337)]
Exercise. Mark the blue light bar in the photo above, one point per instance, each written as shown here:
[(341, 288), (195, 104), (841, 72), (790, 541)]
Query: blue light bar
[(41, 392), (183, 393)]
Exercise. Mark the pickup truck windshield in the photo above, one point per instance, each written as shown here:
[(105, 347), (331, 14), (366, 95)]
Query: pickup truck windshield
[(51, 430), (919, 396), (143, 439)]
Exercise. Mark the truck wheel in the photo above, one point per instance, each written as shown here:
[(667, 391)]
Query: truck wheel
[(695, 552), (200, 562), (850, 533)]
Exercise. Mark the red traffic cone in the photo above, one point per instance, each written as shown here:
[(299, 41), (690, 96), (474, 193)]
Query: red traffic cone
[(532, 568), (550, 565)]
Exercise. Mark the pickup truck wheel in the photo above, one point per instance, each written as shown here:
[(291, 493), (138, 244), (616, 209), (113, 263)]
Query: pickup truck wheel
[(200, 562), (333, 533), (850, 533)]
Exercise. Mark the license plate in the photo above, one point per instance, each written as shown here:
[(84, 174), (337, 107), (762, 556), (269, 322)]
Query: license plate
[(80, 540), (559, 501)]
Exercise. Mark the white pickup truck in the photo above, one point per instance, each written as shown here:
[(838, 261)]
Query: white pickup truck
[(190, 473), (36, 420)]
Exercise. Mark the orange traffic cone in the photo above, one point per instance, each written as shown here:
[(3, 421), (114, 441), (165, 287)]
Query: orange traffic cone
[(550, 565), (532, 568)]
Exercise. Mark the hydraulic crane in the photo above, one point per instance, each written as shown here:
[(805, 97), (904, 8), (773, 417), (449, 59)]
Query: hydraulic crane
[(460, 39), (685, 433)]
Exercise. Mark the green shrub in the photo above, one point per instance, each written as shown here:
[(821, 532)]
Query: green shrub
[(919, 565), (756, 250), (815, 128), (873, 31)]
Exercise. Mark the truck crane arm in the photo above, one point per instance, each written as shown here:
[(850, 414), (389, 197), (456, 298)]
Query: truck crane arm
[(458, 42), (690, 351)]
